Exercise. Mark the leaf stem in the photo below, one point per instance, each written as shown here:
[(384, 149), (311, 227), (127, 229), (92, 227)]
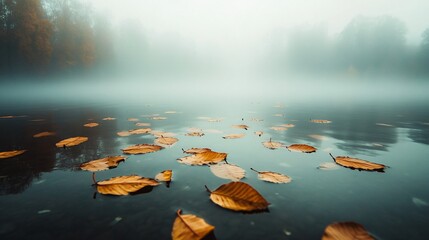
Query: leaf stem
[(93, 178), (208, 190), (254, 170), (333, 157)]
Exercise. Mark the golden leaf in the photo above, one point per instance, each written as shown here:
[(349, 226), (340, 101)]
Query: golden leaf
[(196, 150), (228, 171), (162, 134), (124, 185), (346, 231), (272, 145), (288, 125), (272, 177), (320, 121), (356, 163), (109, 119), (238, 196), (69, 142), (141, 149), (195, 134), (93, 124), (140, 124), (301, 148), (234, 136), (259, 133), (13, 153), (124, 133), (202, 158), (43, 134), (242, 126), (164, 176), (167, 141), (102, 164), (190, 227), (134, 132)]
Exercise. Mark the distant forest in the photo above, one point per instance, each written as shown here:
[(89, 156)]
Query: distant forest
[(44, 37)]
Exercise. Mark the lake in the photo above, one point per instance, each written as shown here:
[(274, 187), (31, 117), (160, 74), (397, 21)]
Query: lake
[(45, 195)]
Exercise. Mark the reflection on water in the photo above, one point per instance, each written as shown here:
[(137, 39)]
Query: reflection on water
[(44, 186)]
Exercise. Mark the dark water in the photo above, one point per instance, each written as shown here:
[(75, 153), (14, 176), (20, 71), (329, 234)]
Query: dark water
[(44, 195)]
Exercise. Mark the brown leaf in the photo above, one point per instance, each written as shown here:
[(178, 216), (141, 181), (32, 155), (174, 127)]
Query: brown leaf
[(238, 196), (102, 163), (124, 185), (234, 136), (140, 124), (69, 142), (133, 119), (109, 119), (346, 231), (134, 132), (259, 133), (90, 125), (167, 141), (356, 163), (190, 227), (301, 148), (228, 171), (320, 121), (242, 126), (288, 125), (272, 177), (202, 158), (196, 150), (272, 145), (13, 153), (195, 134), (141, 149), (162, 134), (158, 118), (43, 134), (164, 176)]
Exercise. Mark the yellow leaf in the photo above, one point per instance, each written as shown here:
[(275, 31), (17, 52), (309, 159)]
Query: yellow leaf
[(272, 177), (228, 171), (164, 176), (141, 149), (102, 164), (272, 145), (93, 124), (13, 153), (190, 227), (69, 142), (133, 119), (124, 185), (355, 163), (196, 150), (167, 141), (109, 119), (320, 121), (242, 126), (234, 136), (140, 124), (195, 134), (134, 132), (43, 134), (301, 148), (162, 134), (158, 118), (238, 196), (202, 158), (346, 231), (288, 125)]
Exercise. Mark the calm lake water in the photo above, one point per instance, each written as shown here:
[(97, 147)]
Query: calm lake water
[(44, 194)]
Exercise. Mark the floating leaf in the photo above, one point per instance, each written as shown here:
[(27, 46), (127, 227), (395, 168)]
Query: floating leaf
[(301, 148), (8, 116), (134, 132), (278, 128), (346, 231), (43, 134), (90, 125), (164, 176), (234, 136), (133, 119), (109, 119), (124, 185), (289, 125), (242, 126), (69, 142), (328, 166), (158, 118), (356, 163), (124, 133), (140, 124), (320, 121), (195, 134), (272, 145), (102, 164), (272, 177), (238, 196), (141, 149), (167, 141), (259, 133), (13, 153), (190, 227), (228, 171), (162, 134), (202, 158), (196, 150)]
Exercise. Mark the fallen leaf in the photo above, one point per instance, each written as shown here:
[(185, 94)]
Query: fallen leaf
[(93, 124), (202, 158), (102, 163), (272, 177), (356, 163), (320, 121), (133, 119), (164, 176), (272, 145), (190, 227), (195, 134), (43, 134), (141, 149), (124, 133), (238, 196), (167, 141), (109, 119), (228, 171), (259, 133), (158, 118), (346, 231), (134, 132), (13, 153), (161, 133), (6, 117), (289, 125), (277, 128), (124, 185), (69, 142), (242, 126), (302, 148), (196, 150), (234, 136), (328, 166), (140, 124)]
